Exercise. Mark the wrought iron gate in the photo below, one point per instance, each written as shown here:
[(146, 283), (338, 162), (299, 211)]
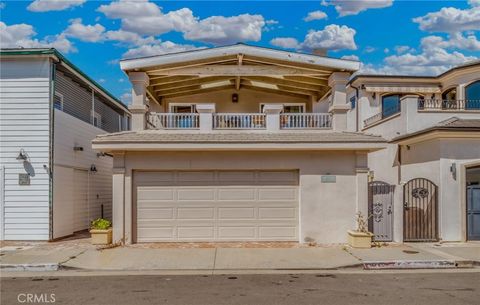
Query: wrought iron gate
[(380, 210), (473, 212), (420, 210)]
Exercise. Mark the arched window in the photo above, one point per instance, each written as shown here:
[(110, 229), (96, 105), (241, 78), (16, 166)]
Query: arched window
[(450, 94), (390, 105), (472, 95)]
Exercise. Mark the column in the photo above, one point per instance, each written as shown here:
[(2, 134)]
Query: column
[(206, 112), (118, 198), (361, 169), (272, 112), (339, 106), (139, 105)]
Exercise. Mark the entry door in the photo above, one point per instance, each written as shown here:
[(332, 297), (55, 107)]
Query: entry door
[(473, 212), (420, 210), (80, 200), (380, 210)]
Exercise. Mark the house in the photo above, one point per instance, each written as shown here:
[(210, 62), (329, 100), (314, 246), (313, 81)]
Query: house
[(238, 143), (425, 186), (52, 182)]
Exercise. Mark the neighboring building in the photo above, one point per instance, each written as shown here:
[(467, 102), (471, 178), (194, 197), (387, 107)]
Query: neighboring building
[(426, 184), (52, 182), (238, 143)]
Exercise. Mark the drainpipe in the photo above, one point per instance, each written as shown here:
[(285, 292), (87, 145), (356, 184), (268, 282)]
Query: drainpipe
[(357, 104)]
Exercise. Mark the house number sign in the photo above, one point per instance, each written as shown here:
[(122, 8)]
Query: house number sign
[(23, 179)]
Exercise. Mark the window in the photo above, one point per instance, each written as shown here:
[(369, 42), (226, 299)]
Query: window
[(472, 95), (353, 101), (450, 94), (390, 105), (289, 107), (58, 101), (96, 119), (182, 108)]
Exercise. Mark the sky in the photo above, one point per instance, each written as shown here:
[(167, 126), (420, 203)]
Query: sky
[(386, 36)]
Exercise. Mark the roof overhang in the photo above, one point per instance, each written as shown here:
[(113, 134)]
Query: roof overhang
[(437, 133), (403, 89), (238, 67)]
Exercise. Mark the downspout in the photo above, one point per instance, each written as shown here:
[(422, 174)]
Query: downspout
[(357, 104), (53, 69)]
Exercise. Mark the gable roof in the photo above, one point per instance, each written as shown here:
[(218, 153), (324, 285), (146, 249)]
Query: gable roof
[(52, 52), (240, 48)]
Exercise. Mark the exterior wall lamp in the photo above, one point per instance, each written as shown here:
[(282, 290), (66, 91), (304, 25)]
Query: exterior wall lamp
[(93, 168), (453, 170), (22, 155)]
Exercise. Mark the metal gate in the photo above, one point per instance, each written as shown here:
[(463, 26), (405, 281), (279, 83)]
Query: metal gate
[(473, 212), (420, 210), (380, 210)]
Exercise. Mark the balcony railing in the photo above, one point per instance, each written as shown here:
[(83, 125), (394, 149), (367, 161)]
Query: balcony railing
[(305, 121), (239, 121), (454, 105), (387, 112), (173, 120)]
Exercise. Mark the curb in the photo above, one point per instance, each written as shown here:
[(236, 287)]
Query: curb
[(417, 264), (30, 267)]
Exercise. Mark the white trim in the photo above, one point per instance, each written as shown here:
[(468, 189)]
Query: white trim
[(326, 62), (304, 105)]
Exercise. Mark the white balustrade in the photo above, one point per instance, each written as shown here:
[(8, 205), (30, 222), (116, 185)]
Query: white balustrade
[(305, 121), (157, 120), (239, 121)]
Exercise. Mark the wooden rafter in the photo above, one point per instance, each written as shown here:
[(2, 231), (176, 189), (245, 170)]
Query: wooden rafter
[(291, 83), (189, 82), (274, 91), (169, 79), (237, 80), (233, 70), (286, 64), (196, 63), (281, 88), (307, 79), (198, 91)]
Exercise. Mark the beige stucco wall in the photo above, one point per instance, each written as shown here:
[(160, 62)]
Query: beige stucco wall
[(327, 210), (249, 101)]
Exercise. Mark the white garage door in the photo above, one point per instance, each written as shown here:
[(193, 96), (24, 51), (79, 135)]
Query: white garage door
[(216, 206)]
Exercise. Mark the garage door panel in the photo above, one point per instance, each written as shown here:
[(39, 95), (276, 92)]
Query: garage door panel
[(277, 194), (155, 213), (238, 233), (245, 194), (195, 194), (195, 213), (155, 178), (195, 232), (217, 205), (236, 213)]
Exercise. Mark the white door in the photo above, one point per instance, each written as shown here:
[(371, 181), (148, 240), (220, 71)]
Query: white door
[(80, 200), (216, 206), (63, 202)]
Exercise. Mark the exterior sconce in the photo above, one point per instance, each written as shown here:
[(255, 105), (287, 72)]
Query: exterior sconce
[(78, 148), (22, 155), (453, 170), (93, 168), (234, 98)]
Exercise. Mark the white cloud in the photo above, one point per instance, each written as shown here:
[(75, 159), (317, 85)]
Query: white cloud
[(455, 41), (226, 30), (351, 57), (450, 19), (21, 35), (126, 98), (128, 37), (285, 42), (386, 50), (403, 49), (353, 7), (315, 15), (88, 33), (332, 37), (369, 49), (53, 5), (146, 18), (158, 48)]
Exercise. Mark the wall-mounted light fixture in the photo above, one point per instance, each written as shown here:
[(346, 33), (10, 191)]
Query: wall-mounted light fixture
[(22, 155), (235, 98), (77, 148), (453, 170), (93, 168)]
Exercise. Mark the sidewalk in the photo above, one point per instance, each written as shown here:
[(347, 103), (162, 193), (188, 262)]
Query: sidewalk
[(79, 254)]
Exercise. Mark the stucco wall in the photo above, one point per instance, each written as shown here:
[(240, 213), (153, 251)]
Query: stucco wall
[(327, 210), (248, 101)]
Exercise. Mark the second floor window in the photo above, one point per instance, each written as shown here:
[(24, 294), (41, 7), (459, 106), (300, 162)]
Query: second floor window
[(450, 94), (182, 108), (390, 105), (472, 95), (353, 101), (58, 101), (96, 119)]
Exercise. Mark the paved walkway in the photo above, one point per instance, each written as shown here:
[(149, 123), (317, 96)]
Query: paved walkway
[(80, 254)]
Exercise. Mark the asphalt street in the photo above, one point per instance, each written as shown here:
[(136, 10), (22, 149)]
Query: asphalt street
[(325, 288)]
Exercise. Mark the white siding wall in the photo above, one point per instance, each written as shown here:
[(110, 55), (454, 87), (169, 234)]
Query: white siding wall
[(69, 166), (24, 123)]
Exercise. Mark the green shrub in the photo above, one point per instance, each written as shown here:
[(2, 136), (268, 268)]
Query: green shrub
[(100, 224)]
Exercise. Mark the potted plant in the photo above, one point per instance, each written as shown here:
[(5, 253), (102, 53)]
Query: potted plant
[(101, 232), (360, 237)]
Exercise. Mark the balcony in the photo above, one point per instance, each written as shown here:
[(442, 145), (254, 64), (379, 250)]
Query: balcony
[(386, 113), (448, 105), (239, 121)]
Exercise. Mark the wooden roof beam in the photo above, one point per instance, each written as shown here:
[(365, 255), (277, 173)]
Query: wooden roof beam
[(230, 70), (189, 82), (291, 83), (199, 91), (274, 91)]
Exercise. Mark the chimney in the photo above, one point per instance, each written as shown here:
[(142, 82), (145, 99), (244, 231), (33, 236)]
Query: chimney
[(320, 52)]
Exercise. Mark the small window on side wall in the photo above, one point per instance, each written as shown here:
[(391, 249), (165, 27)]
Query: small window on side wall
[(96, 119), (353, 102), (472, 96), (58, 101), (390, 105)]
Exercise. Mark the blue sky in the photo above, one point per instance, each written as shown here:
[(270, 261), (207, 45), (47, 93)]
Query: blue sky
[(387, 36)]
